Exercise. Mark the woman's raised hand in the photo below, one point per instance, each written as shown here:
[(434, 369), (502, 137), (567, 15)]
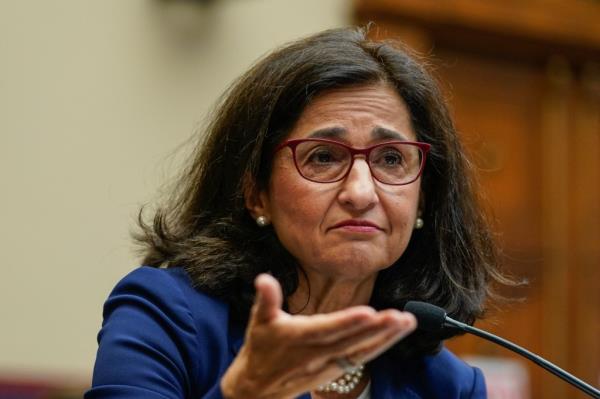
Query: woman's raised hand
[(285, 355)]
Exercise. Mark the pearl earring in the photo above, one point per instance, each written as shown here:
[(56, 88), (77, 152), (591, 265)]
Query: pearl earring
[(262, 221), (419, 223)]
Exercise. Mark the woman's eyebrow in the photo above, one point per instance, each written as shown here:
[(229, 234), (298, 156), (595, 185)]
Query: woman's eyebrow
[(329, 133), (378, 133), (381, 133)]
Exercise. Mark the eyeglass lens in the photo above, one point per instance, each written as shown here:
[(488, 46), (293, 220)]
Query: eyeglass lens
[(391, 163)]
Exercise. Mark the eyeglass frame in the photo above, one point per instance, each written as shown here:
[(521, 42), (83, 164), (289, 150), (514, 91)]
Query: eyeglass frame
[(293, 143)]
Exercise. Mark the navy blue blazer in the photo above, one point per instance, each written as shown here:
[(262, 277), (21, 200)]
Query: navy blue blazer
[(161, 338)]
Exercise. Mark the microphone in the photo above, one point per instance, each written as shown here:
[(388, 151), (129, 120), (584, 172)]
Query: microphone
[(433, 318)]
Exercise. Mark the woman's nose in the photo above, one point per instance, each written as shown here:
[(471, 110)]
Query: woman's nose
[(358, 188)]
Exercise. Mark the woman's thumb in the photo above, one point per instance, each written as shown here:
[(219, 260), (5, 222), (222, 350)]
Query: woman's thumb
[(269, 298)]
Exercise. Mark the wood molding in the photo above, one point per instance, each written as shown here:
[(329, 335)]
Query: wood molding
[(572, 23)]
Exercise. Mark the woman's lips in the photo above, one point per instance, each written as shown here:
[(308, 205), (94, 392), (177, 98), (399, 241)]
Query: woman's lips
[(358, 226)]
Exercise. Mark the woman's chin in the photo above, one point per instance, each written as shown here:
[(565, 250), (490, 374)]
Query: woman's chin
[(351, 267)]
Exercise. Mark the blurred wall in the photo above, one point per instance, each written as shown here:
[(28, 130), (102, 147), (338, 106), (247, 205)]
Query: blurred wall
[(95, 96)]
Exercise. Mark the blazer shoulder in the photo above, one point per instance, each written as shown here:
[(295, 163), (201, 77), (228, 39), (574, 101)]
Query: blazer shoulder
[(173, 287), (453, 377), (160, 335)]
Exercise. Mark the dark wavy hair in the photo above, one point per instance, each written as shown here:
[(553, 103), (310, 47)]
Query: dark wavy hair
[(206, 229)]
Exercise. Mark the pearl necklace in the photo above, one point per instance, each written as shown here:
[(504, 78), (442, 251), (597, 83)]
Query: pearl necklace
[(346, 383)]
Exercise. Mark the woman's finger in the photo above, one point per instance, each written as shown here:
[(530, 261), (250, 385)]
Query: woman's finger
[(373, 346), (330, 327), (391, 328), (269, 298)]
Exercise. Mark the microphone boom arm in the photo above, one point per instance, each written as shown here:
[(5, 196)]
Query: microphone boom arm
[(540, 361)]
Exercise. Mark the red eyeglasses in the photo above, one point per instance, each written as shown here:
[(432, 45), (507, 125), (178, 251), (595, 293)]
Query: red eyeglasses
[(327, 161)]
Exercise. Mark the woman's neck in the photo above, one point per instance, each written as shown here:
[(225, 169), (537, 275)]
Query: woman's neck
[(322, 294)]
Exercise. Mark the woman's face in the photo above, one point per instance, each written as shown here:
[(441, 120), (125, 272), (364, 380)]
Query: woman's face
[(323, 224)]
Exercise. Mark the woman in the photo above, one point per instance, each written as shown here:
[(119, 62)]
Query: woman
[(331, 188)]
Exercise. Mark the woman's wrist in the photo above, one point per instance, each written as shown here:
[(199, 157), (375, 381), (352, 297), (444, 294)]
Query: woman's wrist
[(228, 389), (235, 388)]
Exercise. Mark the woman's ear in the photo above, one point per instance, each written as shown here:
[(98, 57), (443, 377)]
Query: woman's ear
[(256, 201)]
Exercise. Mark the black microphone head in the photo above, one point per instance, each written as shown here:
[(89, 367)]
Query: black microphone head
[(429, 317)]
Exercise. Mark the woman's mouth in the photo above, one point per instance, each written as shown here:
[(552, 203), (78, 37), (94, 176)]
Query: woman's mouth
[(357, 225)]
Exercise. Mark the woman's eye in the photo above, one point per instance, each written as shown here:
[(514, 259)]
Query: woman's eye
[(390, 159), (323, 156), (393, 159)]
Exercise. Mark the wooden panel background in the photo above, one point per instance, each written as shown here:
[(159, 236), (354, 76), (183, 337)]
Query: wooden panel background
[(523, 81)]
